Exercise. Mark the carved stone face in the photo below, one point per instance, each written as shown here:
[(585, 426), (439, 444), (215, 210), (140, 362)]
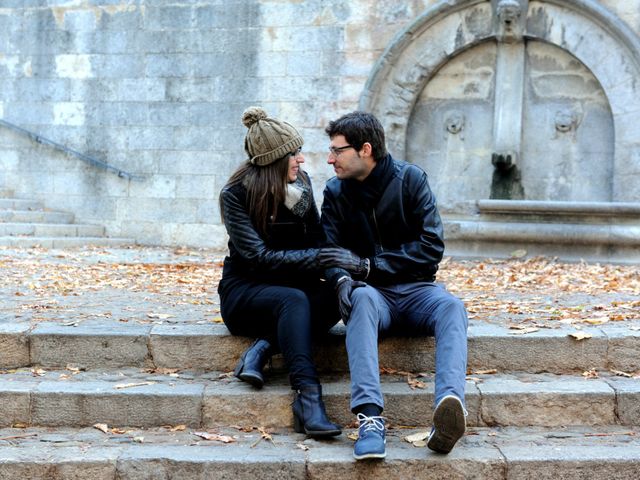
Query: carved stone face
[(566, 121), (509, 13), (454, 121)]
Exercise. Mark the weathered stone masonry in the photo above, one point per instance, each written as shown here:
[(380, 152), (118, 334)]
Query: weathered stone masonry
[(157, 87)]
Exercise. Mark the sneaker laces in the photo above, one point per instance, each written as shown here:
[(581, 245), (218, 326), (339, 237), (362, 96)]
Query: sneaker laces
[(370, 423)]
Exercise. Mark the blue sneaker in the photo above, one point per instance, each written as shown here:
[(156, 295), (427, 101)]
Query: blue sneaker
[(449, 424), (371, 441)]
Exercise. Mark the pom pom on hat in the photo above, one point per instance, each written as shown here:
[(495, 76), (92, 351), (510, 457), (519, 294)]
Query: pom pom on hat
[(252, 114), (268, 139)]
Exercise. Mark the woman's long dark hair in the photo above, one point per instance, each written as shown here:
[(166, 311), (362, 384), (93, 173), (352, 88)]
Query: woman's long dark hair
[(266, 190)]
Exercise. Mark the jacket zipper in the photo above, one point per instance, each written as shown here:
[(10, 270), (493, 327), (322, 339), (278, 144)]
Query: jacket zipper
[(379, 248)]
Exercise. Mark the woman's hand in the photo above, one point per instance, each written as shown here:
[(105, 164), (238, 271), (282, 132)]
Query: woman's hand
[(336, 257)]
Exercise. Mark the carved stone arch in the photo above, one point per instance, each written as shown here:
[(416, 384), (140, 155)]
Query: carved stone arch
[(584, 28)]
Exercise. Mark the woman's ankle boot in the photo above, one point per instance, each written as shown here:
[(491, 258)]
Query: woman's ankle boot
[(252, 361), (309, 415)]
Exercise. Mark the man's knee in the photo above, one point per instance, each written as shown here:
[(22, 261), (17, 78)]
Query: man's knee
[(364, 306)]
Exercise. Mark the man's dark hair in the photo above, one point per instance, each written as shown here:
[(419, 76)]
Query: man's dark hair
[(359, 128)]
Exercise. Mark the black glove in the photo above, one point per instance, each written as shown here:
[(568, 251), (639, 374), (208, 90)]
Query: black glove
[(344, 288), (336, 257)]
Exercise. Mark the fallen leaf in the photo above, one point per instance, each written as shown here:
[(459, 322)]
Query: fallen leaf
[(302, 446), (102, 427), (415, 383), (489, 371), (596, 321), (518, 253), (353, 436), (420, 443), (593, 373), (138, 439), (160, 316), (415, 437), (38, 372), (178, 428), (580, 335), (119, 431), (621, 374), (214, 437), (521, 330)]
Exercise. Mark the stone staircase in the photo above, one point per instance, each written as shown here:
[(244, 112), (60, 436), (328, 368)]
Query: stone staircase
[(156, 390), (27, 223)]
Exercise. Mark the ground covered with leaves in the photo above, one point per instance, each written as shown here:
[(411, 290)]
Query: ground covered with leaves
[(165, 285)]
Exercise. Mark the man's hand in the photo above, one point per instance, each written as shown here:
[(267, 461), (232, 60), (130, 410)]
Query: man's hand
[(336, 257), (344, 288)]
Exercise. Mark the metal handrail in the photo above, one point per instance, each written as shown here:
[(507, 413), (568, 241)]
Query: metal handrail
[(82, 156)]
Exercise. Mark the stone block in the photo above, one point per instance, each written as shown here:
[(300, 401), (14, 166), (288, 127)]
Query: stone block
[(270, 408), (237, 15), (158, 209), (196, 346), (15, 397), (542, 462), (68, 113), (169, 114), (627, 398), (404, 461), (89, 345), (178, 65), (167, 18), (78, 20), (156, 186), (140, 90), (55, 462), (150, 462), (84, 403), (121, 19), (546, 350), (73, 66), (14, 345), (151, 138), (546, 401), (192, 90), (624, 345), (119, 66), (203, 235)]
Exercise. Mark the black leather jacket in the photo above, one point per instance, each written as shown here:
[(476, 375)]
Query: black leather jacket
[(285, 255), (400, 231)]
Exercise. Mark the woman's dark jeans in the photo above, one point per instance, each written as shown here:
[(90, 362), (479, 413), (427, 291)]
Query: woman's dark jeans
[(287, 317)]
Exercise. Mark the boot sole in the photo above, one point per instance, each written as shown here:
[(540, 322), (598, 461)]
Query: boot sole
[(449, 423), (251, 379)]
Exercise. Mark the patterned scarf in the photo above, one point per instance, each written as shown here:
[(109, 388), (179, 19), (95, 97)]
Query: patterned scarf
[(298, 197)]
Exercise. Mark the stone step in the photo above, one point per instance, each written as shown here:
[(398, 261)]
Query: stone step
[(95, 343), (19, 204), (64, 242), (35, 216), (133, 397), (484, 453), (50, 230)]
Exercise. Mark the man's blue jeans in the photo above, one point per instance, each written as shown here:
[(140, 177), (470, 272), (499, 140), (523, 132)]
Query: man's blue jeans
[(410, 309)]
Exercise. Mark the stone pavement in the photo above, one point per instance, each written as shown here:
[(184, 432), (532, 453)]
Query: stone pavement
[(131, 340)]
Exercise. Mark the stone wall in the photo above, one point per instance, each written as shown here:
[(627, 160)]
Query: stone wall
[(157, 87)]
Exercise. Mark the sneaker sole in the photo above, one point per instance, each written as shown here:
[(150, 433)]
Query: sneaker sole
[(449, 423), (372, 456)]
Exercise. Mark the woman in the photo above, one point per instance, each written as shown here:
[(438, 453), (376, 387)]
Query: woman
[(270, 285)]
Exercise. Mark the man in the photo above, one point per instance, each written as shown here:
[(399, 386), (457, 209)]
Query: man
[(384, 212)]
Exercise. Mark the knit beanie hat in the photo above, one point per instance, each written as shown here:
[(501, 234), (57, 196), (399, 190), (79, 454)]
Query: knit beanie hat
[(268, 139)]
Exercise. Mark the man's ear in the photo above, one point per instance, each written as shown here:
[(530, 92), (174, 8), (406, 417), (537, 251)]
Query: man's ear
[(367, 149)]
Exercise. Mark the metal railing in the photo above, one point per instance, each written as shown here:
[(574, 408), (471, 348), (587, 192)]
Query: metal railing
[(94, 162)]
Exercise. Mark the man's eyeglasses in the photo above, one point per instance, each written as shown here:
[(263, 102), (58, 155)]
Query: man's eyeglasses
[(336, 151)]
